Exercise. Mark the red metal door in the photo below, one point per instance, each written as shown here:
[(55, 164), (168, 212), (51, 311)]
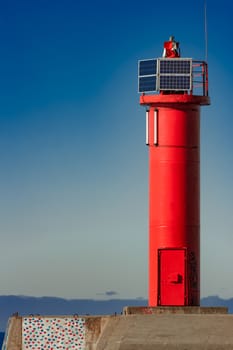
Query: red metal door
[(172, 277)]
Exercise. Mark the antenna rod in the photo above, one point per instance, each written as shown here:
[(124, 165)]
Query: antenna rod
[(206, 32)]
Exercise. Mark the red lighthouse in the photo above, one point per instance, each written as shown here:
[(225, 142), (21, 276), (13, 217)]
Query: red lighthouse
[(173, 89)]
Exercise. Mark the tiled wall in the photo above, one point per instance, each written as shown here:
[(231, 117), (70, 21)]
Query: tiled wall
[(52, 333)]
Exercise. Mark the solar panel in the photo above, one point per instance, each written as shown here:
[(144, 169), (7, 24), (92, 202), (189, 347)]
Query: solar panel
[(147, 84), (173, 74), (147, 70), (175, 82), (175, 66), (147, 67)]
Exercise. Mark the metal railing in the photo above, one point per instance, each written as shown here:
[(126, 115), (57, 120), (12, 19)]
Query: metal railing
[(199, 78)]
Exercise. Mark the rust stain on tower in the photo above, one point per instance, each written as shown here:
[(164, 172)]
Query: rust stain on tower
[(173, 89)]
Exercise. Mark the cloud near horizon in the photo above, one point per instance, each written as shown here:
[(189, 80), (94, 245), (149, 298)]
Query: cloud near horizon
[(108, 293)]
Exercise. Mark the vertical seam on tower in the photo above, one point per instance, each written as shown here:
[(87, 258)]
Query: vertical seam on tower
[(156, 127), (147, 127)]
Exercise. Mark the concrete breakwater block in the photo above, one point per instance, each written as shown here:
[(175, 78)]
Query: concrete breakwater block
[(170, 331)]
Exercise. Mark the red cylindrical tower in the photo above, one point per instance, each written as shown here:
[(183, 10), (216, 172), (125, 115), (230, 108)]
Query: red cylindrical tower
[(173, 137)]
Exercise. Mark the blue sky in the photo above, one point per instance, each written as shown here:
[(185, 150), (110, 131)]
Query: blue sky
[(73, 161)]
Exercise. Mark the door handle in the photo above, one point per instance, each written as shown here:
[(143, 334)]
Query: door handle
[(177, 279)]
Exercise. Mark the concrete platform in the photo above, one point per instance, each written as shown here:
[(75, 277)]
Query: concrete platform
[(161, 331), (145, 310), (168, 331)]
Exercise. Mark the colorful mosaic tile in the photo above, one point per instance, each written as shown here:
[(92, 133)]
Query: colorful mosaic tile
[(52, 333)]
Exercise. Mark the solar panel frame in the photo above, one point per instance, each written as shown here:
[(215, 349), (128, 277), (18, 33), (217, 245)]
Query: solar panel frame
[(164, 74), (147, 75), (174, 74)]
